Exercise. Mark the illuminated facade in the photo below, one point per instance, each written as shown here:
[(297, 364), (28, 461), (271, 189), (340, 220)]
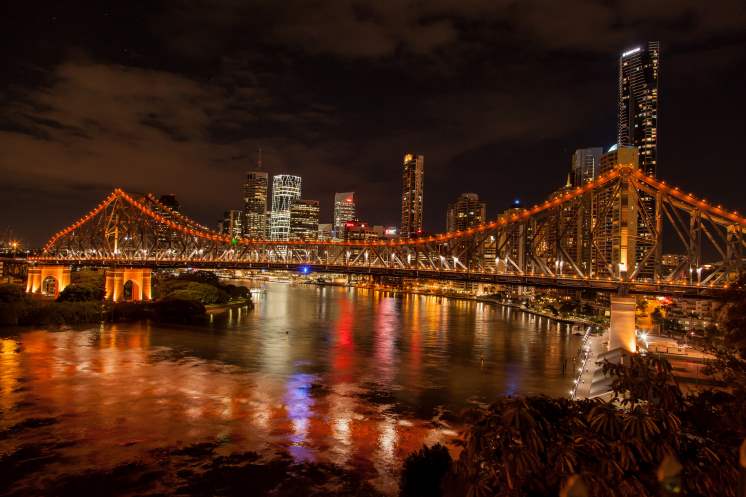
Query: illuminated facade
[(412, 195), (255, 193), (344, 210), (615, 219), (466, 212), (232, 223), (585, 165), (285, 189), (639, 75), (304, 220)]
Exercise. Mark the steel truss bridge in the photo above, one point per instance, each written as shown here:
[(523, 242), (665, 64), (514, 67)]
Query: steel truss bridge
[(606, 235)]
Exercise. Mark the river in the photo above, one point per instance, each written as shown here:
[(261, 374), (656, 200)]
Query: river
[(353, 377)]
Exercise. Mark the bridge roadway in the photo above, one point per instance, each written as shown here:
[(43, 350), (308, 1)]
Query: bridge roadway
[(663, 288)]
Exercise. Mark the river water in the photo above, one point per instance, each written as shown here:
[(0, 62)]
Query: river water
[(353, 377)]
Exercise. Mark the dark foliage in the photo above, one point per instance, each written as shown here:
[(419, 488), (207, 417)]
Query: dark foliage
[(10, 293), (423, 472), (531, 446), (173, 310), (77, 292), (130, 311)]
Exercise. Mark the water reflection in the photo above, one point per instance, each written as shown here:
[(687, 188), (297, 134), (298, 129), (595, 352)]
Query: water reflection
[(358, 378)]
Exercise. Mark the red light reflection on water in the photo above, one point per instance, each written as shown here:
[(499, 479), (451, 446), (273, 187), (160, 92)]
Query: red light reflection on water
[(116, 398)]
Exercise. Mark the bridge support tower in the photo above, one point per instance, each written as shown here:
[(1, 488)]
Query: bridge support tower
[(47, 280), (128, 284), (622, 327)]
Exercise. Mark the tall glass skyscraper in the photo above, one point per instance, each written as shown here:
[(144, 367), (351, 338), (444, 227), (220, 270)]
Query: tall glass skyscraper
[(344, 210), (639, 76), (285, 189), (255, 192), (412, 195), (585, 164)]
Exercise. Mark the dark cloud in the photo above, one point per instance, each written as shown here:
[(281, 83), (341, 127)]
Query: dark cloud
[(177, 96)]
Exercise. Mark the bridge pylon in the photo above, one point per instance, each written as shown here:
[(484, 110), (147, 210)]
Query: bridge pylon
[(47, 280), (128, 284)]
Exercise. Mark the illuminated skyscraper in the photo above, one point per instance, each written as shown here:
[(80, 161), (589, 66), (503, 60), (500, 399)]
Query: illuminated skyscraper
[(467, 211), (285, 189), (585, 164), (231, 223), (255, 204), (412, 195), (344, 210), (639, 75), (304, 219)]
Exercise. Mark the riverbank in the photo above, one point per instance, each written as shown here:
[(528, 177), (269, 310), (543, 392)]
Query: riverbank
[(485, 299)]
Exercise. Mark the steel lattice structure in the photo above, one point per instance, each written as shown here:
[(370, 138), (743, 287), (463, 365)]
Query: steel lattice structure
[(583, 238)]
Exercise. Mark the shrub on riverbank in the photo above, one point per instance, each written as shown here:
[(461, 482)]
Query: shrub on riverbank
[(531, 446), (78, 292), (174, 310)]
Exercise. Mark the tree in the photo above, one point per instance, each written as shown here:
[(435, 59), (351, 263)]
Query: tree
[(10, 293), (530, 446), (733, 322), (75, 292)]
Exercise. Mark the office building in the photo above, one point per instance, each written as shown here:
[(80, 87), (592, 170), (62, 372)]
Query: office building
[(231, 224), (585, 165), (412, 195), (255, 193), (344, 210), (615, 215), (325, 231), (304, 219), (639, 75), (285, 189), (466, 212)]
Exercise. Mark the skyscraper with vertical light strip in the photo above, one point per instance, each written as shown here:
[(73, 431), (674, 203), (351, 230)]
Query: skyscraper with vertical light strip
[(412, 195), (639, 94)]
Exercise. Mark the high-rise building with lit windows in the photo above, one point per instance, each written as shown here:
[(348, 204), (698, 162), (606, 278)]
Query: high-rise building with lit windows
[(255, 192), (231, 224), (639, 76), (304, 219), (285, 189), (412, 195), (585, 165), (466, 212), (344, 210)]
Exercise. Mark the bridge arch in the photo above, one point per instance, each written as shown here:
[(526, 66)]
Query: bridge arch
[(49, 286), (131, 291)]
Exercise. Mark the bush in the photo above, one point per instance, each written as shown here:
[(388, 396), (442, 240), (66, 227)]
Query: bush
[(10, 293), (130, 311), (174, 310), (77, 292), (530, 446), (201, 292), (58, 313), (236, 292), (423, 472)]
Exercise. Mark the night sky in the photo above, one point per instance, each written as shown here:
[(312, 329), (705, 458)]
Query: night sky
[(175, 97)]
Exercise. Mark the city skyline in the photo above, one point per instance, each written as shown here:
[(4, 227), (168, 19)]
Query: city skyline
[(506, 108)]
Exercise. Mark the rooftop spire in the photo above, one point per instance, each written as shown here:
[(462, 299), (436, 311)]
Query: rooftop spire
[(259, 158), (568, 184)]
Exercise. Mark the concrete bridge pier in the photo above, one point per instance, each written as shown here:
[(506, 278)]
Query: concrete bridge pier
[(128, 284), (622, 343)]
